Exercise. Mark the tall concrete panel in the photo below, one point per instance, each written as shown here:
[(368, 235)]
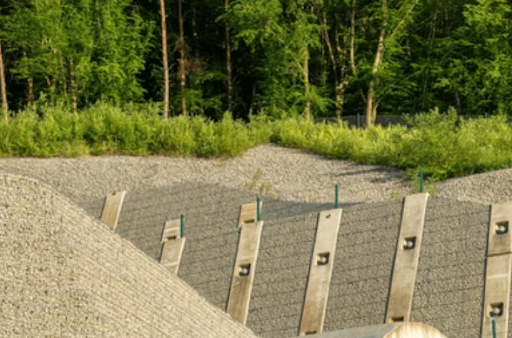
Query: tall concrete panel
[(112, 209), (320, 272), (406, 259), (172, 245), (244, 270), (495, 314)]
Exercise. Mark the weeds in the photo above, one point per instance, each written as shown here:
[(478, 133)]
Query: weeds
[(441, 144)]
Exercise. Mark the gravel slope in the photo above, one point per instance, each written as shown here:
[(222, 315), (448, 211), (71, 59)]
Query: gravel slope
[(288, 174), (491, 187)]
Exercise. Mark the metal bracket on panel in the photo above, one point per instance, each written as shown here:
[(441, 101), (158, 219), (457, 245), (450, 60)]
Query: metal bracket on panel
[(245, 264), (112, 209), (498, 272), (172, 245), (320, 272), (406, 259)]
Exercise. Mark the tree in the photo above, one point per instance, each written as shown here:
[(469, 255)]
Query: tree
[(391, 26), (183, 66), (229, 68), (165, 62), (5, 106)]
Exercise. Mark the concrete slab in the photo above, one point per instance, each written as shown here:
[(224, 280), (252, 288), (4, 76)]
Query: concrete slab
[(244, 270), (172, 245), (112, 209), (313, 313), (497, 296), (171, 230), (247, 214), (172, 251), (500, 231), (406, 259)]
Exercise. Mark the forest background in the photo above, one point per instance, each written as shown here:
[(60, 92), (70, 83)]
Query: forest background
[(283, 58)]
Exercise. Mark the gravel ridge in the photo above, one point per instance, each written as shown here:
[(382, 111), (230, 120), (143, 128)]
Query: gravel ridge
[(284, 173), (288, 174)]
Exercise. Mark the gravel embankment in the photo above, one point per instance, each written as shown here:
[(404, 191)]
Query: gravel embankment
[(491, 187), (285, 173)]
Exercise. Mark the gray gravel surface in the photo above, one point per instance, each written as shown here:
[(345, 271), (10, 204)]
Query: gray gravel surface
[(288, 174), (491, 187), (63, 274)]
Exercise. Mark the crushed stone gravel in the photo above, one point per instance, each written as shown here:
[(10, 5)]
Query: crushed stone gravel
[(288, 174), (491, 187)]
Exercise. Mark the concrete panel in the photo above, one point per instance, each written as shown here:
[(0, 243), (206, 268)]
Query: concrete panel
[(244, 270), (500, 233), (112, 209), (172, 230), (172, 245), (313, 313), (247, 214), (171, 254), (407, 257), (497, 295)]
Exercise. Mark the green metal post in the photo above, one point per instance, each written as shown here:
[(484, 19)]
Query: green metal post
[(182, 226), (493, 322), (258, 209), (336, 197), (422, 182), (358, 120)]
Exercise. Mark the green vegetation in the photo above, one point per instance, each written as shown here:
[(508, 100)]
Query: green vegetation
[(281, 57), (442, 144)]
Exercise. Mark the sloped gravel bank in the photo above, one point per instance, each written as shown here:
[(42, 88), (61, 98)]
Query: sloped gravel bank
[(288, 174)]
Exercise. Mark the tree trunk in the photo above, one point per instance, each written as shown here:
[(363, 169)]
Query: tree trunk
[(371, 106), (30, 85), (74, 97), (182, 71), (5, 106), (341, 83), (64, 79), (353, 37), (165, 61), (307, 110), (228, 63)]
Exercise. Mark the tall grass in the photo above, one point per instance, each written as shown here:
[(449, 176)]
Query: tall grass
[(106, 130), (441, 144)]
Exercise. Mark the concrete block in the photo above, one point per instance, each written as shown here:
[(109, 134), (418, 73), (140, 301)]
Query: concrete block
[(407, 257), (172, 245), (315, 302), (243, 272), (171, 254), (500, 231), (248, 213), (171, 231), (112, 209), (497, 295)]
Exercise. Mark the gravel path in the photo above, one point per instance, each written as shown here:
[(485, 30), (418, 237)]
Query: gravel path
[(285, 173)]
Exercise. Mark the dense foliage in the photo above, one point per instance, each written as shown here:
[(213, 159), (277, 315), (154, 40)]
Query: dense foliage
[(287, 57), (442, 144)]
